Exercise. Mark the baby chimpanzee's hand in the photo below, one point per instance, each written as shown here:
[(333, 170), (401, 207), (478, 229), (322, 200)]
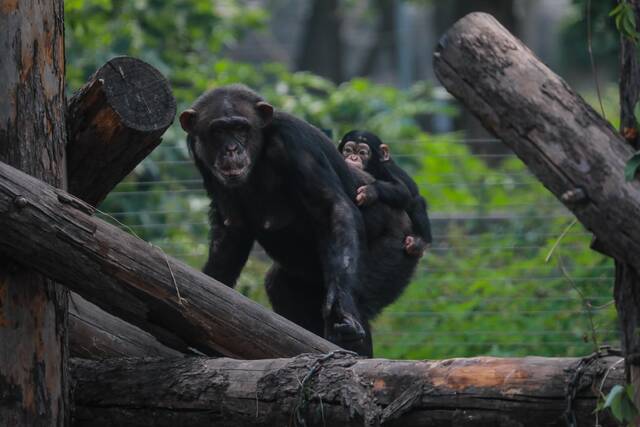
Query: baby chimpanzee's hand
[(367, 194)]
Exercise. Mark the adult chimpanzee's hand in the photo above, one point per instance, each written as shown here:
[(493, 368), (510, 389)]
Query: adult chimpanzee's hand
[(341, 326)]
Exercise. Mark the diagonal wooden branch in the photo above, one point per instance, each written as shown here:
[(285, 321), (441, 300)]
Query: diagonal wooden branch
[(564, 142), (340, 390), (55, 233)]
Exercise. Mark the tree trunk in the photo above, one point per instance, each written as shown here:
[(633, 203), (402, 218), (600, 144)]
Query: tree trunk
[(448, 12), (340, 390), (627, 284), (321, 50), (55, 233), (576, 154), (114, 121), (95, 334), (33, 310)]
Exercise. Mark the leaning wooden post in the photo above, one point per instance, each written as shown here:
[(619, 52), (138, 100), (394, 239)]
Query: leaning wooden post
[(627, 279), (57, 234), (33, 310), (568, 146)]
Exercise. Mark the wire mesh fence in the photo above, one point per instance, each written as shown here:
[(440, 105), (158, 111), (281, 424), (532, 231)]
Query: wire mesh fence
[(484, 287)]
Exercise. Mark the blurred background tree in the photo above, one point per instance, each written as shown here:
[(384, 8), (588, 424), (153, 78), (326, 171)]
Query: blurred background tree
[(484, 287)]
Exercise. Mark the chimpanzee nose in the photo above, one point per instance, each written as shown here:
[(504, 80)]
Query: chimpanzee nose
[(232, 148)]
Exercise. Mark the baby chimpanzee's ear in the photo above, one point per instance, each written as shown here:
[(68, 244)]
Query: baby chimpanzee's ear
[(265, 111), (188, 119), (385, 154)]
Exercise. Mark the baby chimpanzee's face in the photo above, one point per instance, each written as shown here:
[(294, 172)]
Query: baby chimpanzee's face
[(356, 154)]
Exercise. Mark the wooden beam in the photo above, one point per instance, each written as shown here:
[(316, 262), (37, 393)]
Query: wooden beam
[(340, 390), (114, 121), (95, 334), (51, 231), (33, 309), (566, 144)]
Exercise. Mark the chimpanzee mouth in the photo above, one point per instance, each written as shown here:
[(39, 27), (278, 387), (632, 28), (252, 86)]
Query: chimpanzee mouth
[(234, 172)]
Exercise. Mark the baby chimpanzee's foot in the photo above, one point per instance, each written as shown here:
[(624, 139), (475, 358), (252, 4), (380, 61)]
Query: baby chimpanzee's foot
[(414, 246)]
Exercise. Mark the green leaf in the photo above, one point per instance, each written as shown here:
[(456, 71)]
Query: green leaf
[(616, 408), (615, 391), (631, 168), (616, 10)]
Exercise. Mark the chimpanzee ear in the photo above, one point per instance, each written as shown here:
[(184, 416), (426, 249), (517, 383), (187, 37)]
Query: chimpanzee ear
[(265, 111), (188, 119), (385, 154)]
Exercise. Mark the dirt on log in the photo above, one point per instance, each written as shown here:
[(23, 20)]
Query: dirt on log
[(341, 390), (114, 121), (572, 150), (55, 233), (33, 309)]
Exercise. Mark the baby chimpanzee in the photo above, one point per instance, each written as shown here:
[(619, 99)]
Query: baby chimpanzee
[(391, 185)]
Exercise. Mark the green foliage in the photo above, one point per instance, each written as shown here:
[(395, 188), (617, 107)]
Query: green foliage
[(183, 38), (625, 19), (631, 168), (620, 402)]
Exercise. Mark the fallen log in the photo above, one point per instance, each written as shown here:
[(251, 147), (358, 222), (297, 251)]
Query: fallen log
[(95, 334), (340, 390), (53, 232), (113, 122), (571, 149)]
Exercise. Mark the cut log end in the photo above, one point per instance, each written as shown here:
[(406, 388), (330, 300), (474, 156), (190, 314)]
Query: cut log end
[(138, 93), (113, 122)]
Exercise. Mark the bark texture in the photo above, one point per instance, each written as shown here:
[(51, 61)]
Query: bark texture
[(339, 390), (95, 334), (114, 122), (55, 233), (564, 142), (627, 285), (33, 310)]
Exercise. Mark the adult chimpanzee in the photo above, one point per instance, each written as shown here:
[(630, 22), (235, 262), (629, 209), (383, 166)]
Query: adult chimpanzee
[(278, 180), (392, 185)]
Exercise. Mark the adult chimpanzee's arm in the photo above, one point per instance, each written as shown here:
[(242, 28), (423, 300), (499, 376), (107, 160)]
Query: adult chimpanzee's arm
[(420, 218), (228, 251), (340, 231)]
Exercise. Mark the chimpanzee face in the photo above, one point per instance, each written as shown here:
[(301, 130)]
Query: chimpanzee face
[(228, 140), (356, 154)]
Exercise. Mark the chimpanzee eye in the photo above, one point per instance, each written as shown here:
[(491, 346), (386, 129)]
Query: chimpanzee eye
[(363, 153), (348, 150)]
